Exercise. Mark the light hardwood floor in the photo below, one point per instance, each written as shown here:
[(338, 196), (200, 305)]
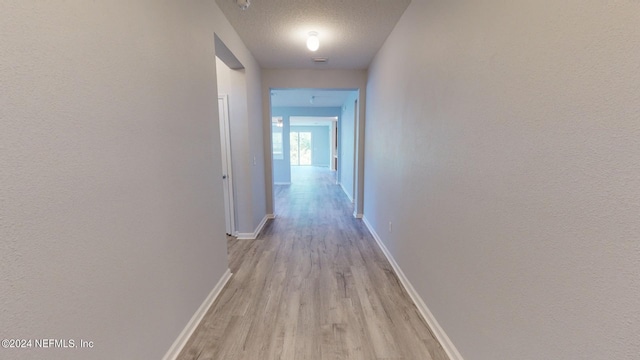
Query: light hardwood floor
[(314, 285)]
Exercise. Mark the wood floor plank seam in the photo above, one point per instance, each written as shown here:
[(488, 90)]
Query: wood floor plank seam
[(313, 285)]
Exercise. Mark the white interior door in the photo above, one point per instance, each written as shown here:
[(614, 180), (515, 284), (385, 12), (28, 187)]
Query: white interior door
[(355, 148), (227, 177)]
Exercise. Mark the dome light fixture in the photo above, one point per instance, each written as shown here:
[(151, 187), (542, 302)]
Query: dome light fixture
[(313, 42)]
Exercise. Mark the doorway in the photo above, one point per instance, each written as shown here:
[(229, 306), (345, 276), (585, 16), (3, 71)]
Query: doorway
[(313, 128), (232, 100), (354, 171), (227, 174), (301, 148)]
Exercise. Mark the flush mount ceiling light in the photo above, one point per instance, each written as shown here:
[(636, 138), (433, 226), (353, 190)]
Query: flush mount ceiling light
[(243, 4), (313, 42)]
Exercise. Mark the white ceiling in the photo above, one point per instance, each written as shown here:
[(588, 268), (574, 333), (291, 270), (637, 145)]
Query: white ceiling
[(350, 31), (302, 97)]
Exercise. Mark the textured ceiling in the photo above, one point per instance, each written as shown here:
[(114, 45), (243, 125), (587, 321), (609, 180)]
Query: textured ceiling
[(350, 31), (302, 97)]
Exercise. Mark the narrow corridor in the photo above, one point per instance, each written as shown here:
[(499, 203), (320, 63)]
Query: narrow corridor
[(314, 285)]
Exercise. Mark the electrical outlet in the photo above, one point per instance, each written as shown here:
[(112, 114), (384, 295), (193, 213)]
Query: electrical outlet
[(254, 160), (390, 226)]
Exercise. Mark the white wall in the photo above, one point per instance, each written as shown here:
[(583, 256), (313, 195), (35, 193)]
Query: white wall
[(311, 79), (111, 208), (256, 134), (507, 143)]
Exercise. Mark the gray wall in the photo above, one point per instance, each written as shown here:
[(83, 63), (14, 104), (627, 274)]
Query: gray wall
[(346, 145), (111, 208), (503, 141)]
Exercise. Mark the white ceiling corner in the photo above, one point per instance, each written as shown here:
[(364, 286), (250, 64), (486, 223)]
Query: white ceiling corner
[(350, 32)]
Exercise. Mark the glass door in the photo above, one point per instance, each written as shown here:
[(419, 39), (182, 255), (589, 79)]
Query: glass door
[(300, 148)]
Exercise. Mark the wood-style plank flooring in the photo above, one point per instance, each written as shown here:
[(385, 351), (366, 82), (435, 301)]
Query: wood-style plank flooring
[(314, 285)]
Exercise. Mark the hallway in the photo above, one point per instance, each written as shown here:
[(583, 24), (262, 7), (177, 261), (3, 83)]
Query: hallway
[(314, 285)]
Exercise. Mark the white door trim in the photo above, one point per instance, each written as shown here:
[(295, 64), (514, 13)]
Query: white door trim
[(227, 173)]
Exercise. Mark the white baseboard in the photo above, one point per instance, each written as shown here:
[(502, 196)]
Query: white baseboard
[(437, 330), (254, 235), (346, 193), (186, 333)]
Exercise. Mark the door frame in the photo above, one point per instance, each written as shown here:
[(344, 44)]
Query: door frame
[(355, 151), (271, 83), (227, 168)]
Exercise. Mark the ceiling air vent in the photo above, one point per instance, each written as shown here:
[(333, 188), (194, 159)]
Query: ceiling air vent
[(320, 60)]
